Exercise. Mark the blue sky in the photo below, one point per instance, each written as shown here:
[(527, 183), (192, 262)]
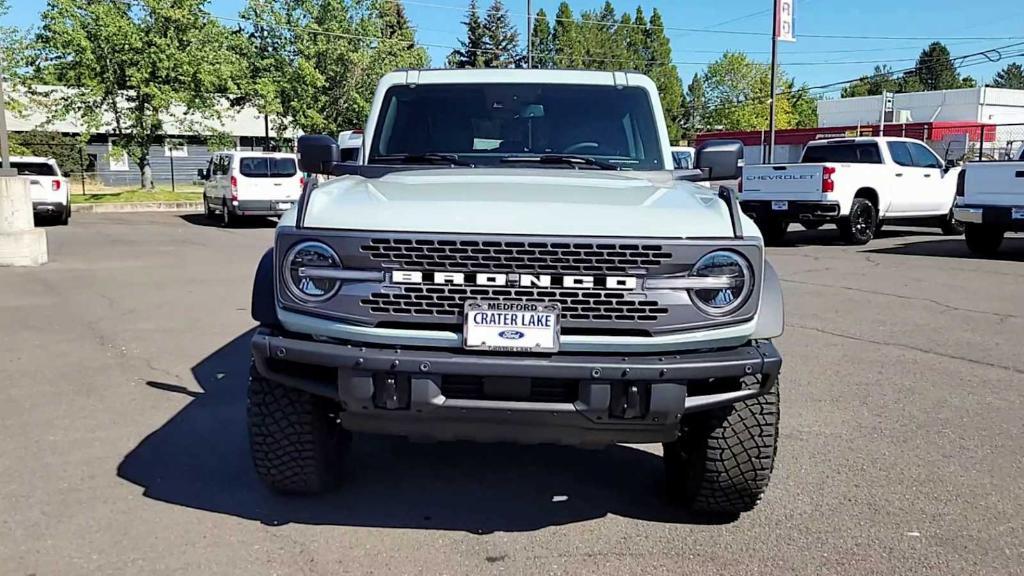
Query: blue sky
[(811, 60)]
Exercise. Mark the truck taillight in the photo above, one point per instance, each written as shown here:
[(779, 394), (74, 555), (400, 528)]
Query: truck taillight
[(55, 185), (961, 179), (234, 188), (827, 183)]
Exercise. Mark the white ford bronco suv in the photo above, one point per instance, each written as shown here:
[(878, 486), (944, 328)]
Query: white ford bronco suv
[(514, 259)]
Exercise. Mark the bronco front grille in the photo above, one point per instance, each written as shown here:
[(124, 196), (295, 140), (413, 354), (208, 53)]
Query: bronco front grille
[(515, 255), (448, 302)]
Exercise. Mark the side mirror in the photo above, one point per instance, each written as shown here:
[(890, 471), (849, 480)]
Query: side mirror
[(318, 154), (202, 174), (951, 163), (720, 159)]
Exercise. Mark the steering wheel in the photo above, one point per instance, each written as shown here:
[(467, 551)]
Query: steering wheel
[(580, 146)]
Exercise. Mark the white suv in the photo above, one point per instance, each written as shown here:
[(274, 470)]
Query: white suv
[(51, 191), (250, 184)]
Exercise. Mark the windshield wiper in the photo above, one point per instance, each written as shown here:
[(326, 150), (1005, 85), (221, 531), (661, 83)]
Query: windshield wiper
[(570, 159), (425, 158)]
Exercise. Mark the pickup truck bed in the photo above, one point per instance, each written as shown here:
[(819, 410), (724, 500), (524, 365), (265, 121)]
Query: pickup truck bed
[(990, 200)]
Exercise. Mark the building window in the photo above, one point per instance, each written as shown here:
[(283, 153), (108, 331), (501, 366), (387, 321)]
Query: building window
[(175, 147), (118, 159)]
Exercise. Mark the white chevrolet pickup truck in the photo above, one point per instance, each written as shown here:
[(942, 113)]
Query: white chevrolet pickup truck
[(990, 201), (857, 183)]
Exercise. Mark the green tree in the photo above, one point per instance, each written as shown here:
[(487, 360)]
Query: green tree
[(881, 80), (66, 150), (14, 49), (602, 49), (665, 75), (631, 39), (1012, 76), (694, 108), (135, 65), (501, 38), (935, 69), (472, 52), (569, 49), (543, 41), (336, 51), (738, 91)]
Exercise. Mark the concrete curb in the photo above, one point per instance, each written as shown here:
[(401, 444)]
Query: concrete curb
[(139, 207)]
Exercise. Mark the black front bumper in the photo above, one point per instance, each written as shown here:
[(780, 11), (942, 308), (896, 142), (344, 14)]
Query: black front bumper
[(455, 395), (796, 211)]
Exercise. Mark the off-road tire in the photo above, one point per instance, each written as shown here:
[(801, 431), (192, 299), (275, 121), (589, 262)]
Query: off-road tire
[(812, 225), (859, 227), (951, 226), (722, 462), (297, 444), (773, 230), (983, 240)]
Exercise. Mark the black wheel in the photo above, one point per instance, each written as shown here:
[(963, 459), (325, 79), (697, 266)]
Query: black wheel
[(859, 227), (297, 444), (722, 462), (982, 239), (65, 216), (772, 230), (210, 212), (228, 219), (951, 226), (812, 225), (879, 224)]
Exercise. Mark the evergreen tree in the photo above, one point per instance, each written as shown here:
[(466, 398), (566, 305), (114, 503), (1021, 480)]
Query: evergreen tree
[(473, 50), (568, 45), (631, 39), (543, 42), (695, 107), (881, 80), (665, 75), (935, 70), (501, 38), (601, 48), (639, 46), (1012, 76)]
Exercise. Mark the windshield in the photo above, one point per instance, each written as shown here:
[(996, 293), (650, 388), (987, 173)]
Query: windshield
[(264, 167), (484, 123), (34, 169), (850, 153)]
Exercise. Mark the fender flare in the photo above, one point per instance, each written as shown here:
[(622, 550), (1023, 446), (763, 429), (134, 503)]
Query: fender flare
[(771, 317), (264, 302)]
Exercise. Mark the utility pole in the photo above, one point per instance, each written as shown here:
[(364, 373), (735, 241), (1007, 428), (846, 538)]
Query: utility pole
[(782, 29), (529, 34)]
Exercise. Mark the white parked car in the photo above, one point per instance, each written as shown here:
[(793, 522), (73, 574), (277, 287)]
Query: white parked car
[(51, 191), (857, 183), (238, 184), (990, 201)]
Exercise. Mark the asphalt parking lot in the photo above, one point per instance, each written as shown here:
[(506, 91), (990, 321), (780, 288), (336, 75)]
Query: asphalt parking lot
[(123, 447)]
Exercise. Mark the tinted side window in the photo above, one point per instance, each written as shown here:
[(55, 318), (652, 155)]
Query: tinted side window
[(901, 153), (849, 153), (923, 157)]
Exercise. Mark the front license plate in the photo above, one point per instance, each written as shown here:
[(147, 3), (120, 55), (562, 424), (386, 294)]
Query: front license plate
[(284, 205), (1017, 213), (511, 326), (780, 204)]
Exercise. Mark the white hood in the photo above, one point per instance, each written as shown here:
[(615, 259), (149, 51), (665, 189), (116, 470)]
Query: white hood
[(542, 202)]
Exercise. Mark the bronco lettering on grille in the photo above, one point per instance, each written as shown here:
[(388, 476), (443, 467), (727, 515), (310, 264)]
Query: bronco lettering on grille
[(523, 280)]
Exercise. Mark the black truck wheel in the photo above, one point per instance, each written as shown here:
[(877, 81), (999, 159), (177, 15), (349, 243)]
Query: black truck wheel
[(951, 226), (859, 227), (297, 444), (982, 239), (722, 462), (773, 230)]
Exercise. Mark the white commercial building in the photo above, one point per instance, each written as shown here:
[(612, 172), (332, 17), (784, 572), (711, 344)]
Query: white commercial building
[(981, 105)]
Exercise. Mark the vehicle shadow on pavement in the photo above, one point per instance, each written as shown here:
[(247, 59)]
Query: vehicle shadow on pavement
[(1012, 249), (797, 237), (200, 459), (247, 222)]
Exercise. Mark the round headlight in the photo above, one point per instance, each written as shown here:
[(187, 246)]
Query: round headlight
[(310, 257), (733, 295)]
